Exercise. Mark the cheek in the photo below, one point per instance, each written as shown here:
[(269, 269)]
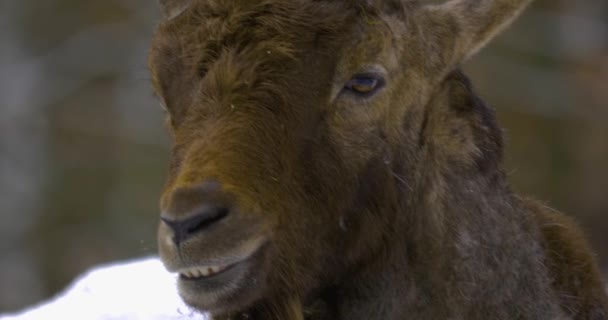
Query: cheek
[(341, 165), (349, 191), (356, 133)]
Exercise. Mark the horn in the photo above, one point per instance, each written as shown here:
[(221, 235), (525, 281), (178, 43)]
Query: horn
[(476, 21), (171, 9)]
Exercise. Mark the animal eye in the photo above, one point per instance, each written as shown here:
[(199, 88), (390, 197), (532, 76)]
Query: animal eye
[(364, 84)]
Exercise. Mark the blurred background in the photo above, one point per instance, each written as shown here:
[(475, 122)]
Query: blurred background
[(83, 150)]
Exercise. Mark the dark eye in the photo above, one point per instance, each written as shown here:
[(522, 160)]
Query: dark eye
[(364, 84)]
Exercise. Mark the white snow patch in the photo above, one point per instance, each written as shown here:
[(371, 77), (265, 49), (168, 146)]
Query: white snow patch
[(140, 289)]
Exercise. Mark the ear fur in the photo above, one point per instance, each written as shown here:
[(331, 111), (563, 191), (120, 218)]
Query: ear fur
[(473, 23), (172, 8)]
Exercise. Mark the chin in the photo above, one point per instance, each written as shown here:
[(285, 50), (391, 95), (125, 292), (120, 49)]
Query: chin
[(229, 289)]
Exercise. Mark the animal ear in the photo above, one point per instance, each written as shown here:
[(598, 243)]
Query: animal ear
[(469, 24), (172, 8)]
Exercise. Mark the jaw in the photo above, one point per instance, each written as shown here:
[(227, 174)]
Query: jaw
[(235, 288), (224, 268)]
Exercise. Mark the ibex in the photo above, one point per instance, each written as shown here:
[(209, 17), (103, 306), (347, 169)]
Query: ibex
[(331, 161)]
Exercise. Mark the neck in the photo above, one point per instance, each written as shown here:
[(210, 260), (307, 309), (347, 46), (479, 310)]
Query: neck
[(461, 246)]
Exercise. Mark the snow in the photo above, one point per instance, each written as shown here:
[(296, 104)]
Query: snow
[(133, 290)]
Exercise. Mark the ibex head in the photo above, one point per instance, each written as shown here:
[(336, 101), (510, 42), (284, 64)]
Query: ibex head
[(323, 149)]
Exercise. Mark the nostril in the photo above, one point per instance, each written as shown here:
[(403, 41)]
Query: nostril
[(187, 228), (201, 222)]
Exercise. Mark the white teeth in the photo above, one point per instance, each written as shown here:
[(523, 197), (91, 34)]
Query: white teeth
[(202, 272)]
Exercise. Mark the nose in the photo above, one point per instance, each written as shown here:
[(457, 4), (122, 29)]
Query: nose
[(193, 210)]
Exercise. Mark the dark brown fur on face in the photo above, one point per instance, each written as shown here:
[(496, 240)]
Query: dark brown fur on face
[(292, 196)]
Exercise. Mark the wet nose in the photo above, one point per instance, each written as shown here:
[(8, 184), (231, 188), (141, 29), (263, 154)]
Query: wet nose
[(193, 210)]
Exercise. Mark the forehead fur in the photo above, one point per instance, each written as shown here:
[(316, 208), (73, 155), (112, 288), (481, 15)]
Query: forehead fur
[(209, 27), (244, 43), (244, 47)]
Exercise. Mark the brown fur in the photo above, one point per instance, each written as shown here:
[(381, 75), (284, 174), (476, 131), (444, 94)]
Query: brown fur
[(393, 206)]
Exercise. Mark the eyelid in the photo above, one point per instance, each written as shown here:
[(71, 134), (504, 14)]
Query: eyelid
[(368, 74), (378, 77), (360, 79)]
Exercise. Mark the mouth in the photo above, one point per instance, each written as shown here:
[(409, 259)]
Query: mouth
[(218, 266), (225, 284), (222, 269), (203, 272)]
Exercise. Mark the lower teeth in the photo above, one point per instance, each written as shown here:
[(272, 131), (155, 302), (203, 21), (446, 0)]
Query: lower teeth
[(198, 274)]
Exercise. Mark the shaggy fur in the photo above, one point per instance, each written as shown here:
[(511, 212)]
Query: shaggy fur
[(388, 206)]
